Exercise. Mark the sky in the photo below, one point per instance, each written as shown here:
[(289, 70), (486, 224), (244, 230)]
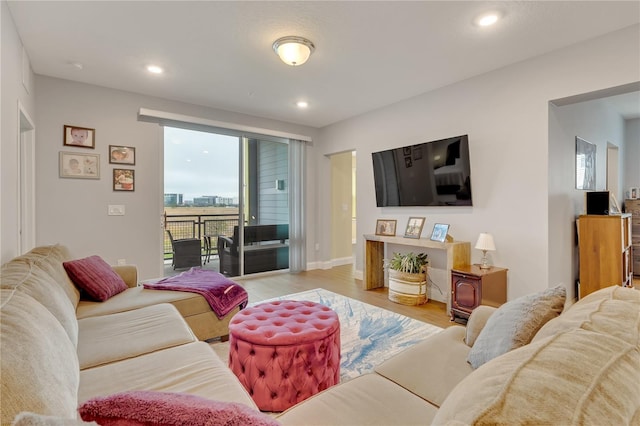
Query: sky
[(199, 163)]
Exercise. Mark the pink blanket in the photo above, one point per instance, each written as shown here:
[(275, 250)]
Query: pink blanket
[(222, 294)]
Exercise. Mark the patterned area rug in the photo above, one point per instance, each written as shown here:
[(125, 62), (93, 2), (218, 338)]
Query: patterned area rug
[(369, 335)]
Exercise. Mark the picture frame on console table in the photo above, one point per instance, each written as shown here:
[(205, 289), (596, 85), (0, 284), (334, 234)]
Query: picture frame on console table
[(440, 231), (386, 227), (414, 227)]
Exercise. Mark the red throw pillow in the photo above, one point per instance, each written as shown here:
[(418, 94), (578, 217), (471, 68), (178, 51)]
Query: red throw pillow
[(165, 408), (96, 277)]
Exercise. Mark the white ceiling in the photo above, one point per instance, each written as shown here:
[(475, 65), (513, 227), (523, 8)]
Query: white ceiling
[(368, 54)]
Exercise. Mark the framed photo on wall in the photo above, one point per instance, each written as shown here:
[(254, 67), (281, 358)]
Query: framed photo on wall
[(123, 179), (75, 165), (122, 155), (82, 137), (439, 233), (386, 227), (414, 227)]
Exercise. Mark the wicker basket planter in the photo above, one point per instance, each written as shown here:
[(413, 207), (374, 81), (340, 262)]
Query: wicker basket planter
[(407, 289)]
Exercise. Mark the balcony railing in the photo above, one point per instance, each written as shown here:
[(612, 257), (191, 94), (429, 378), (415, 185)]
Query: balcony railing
[(203, 226)]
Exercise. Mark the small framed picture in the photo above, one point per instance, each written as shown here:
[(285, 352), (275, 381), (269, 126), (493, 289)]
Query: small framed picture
[(123, 179), (122, 155), (79, 166), (414, 227), (439, 232), (386, 227), (614, 207), (634, 193), (82, 137)]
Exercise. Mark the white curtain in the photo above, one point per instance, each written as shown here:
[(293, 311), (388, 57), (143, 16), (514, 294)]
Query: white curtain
[(297, 203)]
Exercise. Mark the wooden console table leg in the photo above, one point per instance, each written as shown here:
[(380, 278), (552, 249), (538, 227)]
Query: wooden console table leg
[(374, 264)]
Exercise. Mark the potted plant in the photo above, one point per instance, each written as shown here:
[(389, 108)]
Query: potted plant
[(408, 278)]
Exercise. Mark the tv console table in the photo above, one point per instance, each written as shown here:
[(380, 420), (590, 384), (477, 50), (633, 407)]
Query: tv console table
[(458, 253)]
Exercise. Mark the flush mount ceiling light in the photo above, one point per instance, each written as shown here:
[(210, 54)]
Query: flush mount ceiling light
[(487, 19), (293, 50)]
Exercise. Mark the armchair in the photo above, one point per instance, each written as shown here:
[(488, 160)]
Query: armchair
[(186, 252)]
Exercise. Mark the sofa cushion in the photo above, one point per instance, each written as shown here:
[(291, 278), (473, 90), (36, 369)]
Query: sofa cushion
[(432, 368), (115, 337), (166, 408), (27, 418), (40, 372), (602, 311), (50, 259), (137, 297), (366, 400), (515, 323), (477, 320), (577, 377), (95, 277), (23, 274), (195, 369)]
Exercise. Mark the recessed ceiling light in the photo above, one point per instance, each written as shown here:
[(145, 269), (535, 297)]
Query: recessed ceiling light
[(487, 19), (302, 104), (77, 65), (154, 69)]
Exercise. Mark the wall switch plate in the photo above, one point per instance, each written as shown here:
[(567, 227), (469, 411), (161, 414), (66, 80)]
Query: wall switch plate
[(122, 262), (116, 210)]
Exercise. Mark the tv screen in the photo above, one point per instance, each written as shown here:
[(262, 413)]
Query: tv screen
[(436, 173)]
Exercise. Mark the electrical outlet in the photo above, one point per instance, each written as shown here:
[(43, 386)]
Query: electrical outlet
[(317, 246)]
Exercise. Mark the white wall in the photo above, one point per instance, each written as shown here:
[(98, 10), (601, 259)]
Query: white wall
[(595, 122), (632, 159), (74, 211), (505, 114), (13, 91)]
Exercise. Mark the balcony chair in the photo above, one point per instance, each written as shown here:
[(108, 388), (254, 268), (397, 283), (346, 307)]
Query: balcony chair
[(186, 252)]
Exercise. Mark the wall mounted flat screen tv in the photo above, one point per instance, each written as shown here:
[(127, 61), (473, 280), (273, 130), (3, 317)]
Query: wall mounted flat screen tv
[(436, 173)]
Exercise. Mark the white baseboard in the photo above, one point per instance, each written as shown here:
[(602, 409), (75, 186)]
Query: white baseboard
[(358, 274), (342, 261)]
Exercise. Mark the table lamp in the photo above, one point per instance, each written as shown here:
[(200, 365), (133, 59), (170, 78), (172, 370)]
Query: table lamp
[(485, 243)]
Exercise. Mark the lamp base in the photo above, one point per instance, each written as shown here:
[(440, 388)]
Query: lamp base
[(485, 263)]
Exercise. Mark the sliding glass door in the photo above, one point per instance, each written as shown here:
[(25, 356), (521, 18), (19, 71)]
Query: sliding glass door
[(230, 193), (265, 205)]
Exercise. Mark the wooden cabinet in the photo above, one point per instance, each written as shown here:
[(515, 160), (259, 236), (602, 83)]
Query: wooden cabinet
[(604, 242), (472, 287), (633, 207)]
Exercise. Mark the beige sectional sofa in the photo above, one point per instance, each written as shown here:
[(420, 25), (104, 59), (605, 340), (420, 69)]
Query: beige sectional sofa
[(58, 351), (581, 368)]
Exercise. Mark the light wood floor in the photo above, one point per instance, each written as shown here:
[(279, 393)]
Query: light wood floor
[(340, 280)]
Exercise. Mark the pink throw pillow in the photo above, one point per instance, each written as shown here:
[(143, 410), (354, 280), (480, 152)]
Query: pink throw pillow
[(96, 277), (164, 408)]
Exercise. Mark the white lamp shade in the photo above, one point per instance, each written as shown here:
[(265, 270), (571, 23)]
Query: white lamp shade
[(293, 51), (485, 242)]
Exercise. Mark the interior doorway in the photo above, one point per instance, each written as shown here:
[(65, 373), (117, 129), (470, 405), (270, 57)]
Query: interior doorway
[(613, 170), (343, 208), (26, 190)]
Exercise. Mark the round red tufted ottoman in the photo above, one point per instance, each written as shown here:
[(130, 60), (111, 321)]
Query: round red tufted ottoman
[(285, 351)]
